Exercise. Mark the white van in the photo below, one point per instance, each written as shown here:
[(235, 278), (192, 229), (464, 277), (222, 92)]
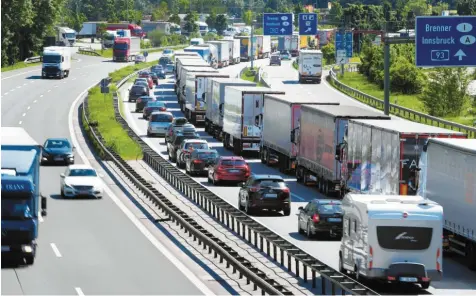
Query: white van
[(392, 238)]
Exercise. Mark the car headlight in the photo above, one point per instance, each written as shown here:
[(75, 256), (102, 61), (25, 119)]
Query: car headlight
[(97, 188)]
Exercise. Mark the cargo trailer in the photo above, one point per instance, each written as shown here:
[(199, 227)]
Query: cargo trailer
[(310, 66), (284, 43), (281, 117), (215, 98), (181, 95), (186, 62), (381, 156), (223, 53), (245, 47), (234, 49), (321, 129), (264, 46), (243, 117), (195, 92), (447, 175), (294, 45)]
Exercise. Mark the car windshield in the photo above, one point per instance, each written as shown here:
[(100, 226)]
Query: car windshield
[(52, 59), (330, 209), (161, 118), (138, 89), (276, 183), (179, 139), (180, 121), (274, 57), (233, 162), (196, 146), (82, 173), (141, 83), (145, 99), (155, 104), (15, 209), (207, 155), (57, 144), (168, 51), (120, 46)]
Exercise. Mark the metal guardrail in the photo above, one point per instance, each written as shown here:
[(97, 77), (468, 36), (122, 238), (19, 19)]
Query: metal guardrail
[(219, 248), (33, 60), (88, 50), (399, 110), (263, 77), (276, 247)]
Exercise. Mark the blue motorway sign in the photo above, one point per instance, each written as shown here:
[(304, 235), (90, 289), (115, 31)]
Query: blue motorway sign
[(445, 41), (276, 24), (344, 42), (307, 24)]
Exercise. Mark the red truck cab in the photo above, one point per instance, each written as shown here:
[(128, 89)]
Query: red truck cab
[(121, 49), (136, 31)]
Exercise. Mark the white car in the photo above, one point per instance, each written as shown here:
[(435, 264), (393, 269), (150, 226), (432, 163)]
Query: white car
[(140, 59), (168, 53), (81, 180)]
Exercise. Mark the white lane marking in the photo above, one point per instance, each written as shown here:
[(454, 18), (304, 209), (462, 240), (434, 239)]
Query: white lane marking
[(73, 79), (12, 89), (5, 93), (79, 291), (34, 101), (28, 108), (49, 90), (19, 74), (24, 84), (19, 86), (160, 247), (56, 85), (55, 250), (41, 96), (20, 122), (40, 218), (23, 114)]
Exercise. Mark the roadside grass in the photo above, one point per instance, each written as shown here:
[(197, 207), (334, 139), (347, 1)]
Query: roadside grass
[(249, 75), (101, 111), (19, 65), (360, 82)]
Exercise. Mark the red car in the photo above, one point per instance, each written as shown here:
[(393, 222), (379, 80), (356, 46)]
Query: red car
[(229, 168), (147, 76)]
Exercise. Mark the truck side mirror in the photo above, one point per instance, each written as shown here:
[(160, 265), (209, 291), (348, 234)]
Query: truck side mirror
[(338, 155), (43, 206), (293, 136)]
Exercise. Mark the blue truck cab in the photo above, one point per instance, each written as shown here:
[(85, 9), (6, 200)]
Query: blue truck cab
[(204, 52), (21, 200)]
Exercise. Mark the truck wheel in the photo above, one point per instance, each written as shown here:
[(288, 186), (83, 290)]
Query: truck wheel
[(237, 147), (471, 255), (262, 155), (299, 174), (29, 260)]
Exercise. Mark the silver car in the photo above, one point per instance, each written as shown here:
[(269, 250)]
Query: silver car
[(159, 122)]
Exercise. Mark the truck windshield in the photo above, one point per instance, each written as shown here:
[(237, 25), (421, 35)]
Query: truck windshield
[(70, 35), (13, 208), (52, 59), (109, 37), (120, 46)]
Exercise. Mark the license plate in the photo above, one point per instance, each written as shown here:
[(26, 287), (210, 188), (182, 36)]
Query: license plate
[(85, 192), (234, 171), (334, 219), (58, 158), (5, 248), (271, 195), (409, 279)]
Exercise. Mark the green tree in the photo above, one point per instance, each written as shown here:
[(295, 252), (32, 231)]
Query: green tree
[(446, 92), (405, 77), (336, 12), (174, 18), (211, 20), (439, 7), (418, 7), (466, 7), (328, 52), (298, 8), (221, 23), (248, 17), (190, 22), (161, 13)]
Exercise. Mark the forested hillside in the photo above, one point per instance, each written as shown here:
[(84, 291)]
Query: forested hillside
[(25, 23)]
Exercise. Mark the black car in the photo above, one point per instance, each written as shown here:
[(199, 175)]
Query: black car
[(142, 102), (321, 216), (264, 192), (199, 161), (57, 150), (163, 61), (275, 60), (155, 78), (137, 91), (174, 144), (159, 71), (153, 106), (177, 125)]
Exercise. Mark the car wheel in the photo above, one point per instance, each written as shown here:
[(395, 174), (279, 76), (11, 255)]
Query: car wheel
[(287, 211), (247, 208), (341, 265), (308, 231), (215, 181), (30, 260), (299, 228), (208, 179), (62, 193), (425, 285), (148, 134)]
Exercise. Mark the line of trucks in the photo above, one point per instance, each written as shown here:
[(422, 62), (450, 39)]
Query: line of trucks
[(22, 203), (337, 148)]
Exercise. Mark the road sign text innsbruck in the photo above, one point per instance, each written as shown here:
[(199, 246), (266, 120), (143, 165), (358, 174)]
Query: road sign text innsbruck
[(444, 41), (277, 24)]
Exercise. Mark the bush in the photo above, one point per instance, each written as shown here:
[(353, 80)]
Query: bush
[(159, 39), (405, 77)]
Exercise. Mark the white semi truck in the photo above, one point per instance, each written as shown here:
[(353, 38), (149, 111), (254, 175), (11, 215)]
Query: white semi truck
[(310, 66), (66, 36), (448, 176), (56, 62), (234, 49)]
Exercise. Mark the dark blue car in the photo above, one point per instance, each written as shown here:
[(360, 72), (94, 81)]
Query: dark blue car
[(57, 150)]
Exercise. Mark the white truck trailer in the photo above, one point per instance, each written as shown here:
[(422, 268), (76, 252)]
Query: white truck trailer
[(264, 46), (310, 66), (223, 53), (281, 119), (234, 49), (181, 88), (182, 62), (195, 92), (56, 62), (243, 117), (215, 98), (448, 176)]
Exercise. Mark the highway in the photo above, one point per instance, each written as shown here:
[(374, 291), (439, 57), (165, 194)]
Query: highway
[(84, 246), (457, 278)]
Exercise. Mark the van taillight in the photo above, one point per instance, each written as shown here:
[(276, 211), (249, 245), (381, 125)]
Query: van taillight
[(438, 259), (371, 257), (315, 218)]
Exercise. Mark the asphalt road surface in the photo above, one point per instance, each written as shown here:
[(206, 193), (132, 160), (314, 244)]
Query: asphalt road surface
[(457, 278), (85, 246)]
